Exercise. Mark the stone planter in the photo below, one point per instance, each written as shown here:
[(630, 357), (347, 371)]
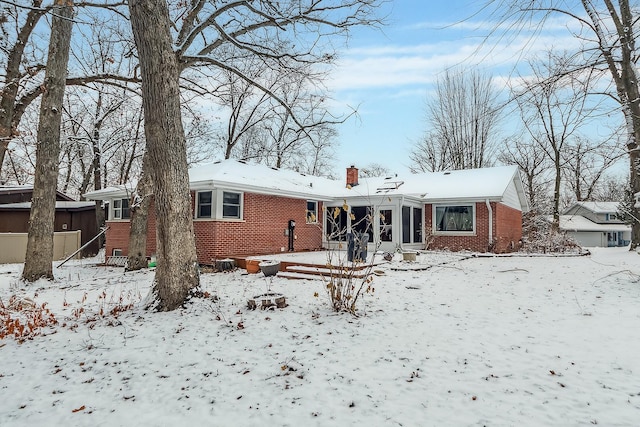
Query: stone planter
[(268, 301), (226, 264), (408, 256), (269, 268)]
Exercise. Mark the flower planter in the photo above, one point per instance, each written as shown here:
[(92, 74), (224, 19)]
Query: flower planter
[(408, 256), (226, 264), (269, 268), (268, 301), (252, 266)]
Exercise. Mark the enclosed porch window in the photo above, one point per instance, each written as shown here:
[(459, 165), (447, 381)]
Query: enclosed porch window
[(411, 224)]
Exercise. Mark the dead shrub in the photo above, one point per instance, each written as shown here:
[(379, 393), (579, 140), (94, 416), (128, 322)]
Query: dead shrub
[(22, 318)]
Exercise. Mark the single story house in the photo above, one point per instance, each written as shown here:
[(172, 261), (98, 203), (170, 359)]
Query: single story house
[(595, 224), (70, 215), (247, 209)]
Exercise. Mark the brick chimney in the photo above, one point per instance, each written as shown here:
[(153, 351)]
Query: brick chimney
[(352, 176)]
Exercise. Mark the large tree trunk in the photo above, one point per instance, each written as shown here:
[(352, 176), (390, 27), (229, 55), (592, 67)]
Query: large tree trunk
[(97, 169), (39, 255), (139, 208), (630, 84), (634, 180), (177, 271), (555, 224)]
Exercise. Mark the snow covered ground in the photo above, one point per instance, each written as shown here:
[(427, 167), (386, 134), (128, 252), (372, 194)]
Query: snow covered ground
[(480, 341)]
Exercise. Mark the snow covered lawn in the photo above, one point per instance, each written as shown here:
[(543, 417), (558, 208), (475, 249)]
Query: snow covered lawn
[(479, 341)]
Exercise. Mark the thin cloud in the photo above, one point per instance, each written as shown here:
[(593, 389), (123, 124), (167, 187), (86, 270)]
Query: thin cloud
[(551, 24), (392, 66)]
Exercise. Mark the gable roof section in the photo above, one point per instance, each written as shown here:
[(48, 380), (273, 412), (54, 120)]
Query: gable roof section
[(580, 223), (24, 193), (595, 207)]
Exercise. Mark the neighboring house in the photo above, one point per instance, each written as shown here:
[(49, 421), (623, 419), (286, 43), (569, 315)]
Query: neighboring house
[(23, 193), (70, 215), (246, 209), (595, 224)]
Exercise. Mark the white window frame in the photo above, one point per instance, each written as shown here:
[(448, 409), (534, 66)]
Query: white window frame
[(315, 212), (220, 205), (116, 212), (434, 226), (213, 203)]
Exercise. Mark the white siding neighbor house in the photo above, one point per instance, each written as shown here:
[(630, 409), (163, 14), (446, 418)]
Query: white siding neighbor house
[(595, 224)]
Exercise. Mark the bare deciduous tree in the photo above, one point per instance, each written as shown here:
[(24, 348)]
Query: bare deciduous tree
[(39, 256), (22, 73), (139, 208), (554, 110), (374, 170), (607, 34), (177, 272), (462, 119), (533, 164), (586, 163), (248, 107), (16, 70), (220, 35)]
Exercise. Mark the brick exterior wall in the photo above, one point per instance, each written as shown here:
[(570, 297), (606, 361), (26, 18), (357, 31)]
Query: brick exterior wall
[(118, 234), (507, 230), (262, 230)]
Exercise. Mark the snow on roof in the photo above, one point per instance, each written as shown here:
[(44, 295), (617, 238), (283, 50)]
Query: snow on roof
[(10, 188), (580, 223), (60, 204), (234, 174), (470, 184), (485, 183), (110, 192), (600, 207)]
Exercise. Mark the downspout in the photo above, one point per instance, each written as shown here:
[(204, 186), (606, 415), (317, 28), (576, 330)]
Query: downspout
[(490, 222)]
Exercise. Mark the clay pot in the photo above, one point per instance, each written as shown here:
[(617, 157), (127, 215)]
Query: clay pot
[(252, 266)]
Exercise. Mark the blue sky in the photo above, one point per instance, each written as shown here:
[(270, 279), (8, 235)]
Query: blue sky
[(388, 73)]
